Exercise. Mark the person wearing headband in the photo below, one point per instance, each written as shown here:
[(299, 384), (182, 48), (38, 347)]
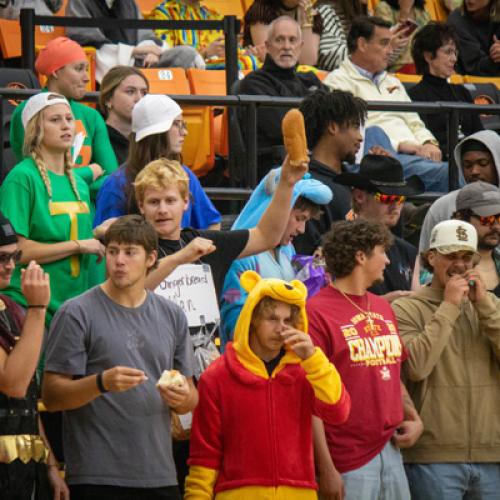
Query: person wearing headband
[(26, 461), (65, 65), (48, 205), (451, 331)]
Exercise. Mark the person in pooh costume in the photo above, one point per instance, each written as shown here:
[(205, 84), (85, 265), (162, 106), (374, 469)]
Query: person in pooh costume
[(251, 435)]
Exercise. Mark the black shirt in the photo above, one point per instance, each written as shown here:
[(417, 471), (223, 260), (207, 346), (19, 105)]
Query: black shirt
[(398, 274), (272, 80), (229, 245), (119, 144), (336, 210), (432, 88)]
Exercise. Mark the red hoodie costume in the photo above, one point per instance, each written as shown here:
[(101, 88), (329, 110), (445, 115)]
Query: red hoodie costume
[(251, 431)]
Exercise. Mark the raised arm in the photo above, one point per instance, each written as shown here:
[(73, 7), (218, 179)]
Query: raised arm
[(273, 222), (18, 366)]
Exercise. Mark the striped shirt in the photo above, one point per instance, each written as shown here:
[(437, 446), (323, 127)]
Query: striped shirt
[(333, 43)]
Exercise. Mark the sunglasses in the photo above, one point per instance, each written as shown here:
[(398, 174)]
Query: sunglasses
[(5, 258), (488, 220), (389, 199)]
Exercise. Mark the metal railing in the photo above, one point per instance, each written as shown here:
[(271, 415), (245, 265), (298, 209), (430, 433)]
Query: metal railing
[(246, 167), (230, 25)]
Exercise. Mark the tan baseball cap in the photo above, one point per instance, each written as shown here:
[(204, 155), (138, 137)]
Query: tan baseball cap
[(452, 236)]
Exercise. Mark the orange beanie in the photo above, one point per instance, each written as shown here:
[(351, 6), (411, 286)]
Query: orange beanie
[(57, 53)]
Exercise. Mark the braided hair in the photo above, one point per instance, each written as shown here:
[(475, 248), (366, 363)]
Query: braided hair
[(33, 139)]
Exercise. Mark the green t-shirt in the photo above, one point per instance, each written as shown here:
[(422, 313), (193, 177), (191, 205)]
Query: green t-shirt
[(96, 147), (25, 202)]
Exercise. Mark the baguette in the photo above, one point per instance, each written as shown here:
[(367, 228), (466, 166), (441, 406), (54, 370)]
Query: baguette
[(294, 137)]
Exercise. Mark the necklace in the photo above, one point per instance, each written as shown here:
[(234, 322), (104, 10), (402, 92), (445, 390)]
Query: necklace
[(367, 315)]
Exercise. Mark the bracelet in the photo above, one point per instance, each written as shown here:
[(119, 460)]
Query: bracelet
[(36, 306), (306, 25), (99, 383), (78, 245)]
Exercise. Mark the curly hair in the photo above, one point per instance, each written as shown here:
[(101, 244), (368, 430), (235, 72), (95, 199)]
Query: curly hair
[(346, 238), (323, 107), (266, 307)]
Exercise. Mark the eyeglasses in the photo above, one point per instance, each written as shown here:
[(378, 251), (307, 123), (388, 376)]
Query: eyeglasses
[(5, 258), (389, 199), (488, 220), (180, 125)]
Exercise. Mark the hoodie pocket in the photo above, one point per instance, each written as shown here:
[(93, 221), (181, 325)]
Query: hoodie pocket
[(445, 414), (486, 416)]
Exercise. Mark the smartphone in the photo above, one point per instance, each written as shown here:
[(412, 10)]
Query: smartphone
[(407, 26)]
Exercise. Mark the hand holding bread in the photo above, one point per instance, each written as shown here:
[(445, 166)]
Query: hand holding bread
[(294, 137)]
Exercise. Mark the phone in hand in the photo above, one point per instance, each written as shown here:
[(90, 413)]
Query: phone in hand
[(408, 27)]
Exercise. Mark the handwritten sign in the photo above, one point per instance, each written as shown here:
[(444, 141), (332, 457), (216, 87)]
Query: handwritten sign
[(191, 286)]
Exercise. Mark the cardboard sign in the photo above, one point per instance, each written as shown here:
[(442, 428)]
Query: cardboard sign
[(191, 286)]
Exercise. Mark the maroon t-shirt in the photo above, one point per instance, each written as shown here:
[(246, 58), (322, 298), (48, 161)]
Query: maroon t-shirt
[(368, 361)]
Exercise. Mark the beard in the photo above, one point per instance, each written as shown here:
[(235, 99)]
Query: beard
[(483, 244), (350, 158)]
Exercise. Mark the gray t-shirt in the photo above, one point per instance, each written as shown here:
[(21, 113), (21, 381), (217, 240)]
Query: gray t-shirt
[(119, 439)]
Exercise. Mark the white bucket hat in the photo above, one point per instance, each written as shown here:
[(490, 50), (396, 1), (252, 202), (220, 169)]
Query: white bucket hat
[(36, 103), (153, 114), (453, 236)]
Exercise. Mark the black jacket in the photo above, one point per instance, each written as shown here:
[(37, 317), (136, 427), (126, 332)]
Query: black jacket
[(271, 80), (474, 42), (336, 210), (431, 89)]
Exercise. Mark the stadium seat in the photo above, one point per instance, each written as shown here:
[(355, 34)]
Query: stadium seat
[(146, 6), (482, 79), (167, 81), (486, 94), (17, 79), (198, 152), (213, 82), (436, 10), (226, 7)]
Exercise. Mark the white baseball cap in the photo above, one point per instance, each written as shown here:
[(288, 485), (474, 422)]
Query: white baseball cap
[(452, 236), (36, 103), (153, 114)]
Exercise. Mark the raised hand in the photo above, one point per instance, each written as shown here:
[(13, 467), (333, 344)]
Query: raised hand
[(299, 342), (456, 289), (35, 284)]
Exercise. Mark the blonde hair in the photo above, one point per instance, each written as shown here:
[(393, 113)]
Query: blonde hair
[(33, 138), (161, 174)]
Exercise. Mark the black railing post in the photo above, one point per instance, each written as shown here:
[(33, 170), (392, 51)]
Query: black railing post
[(251, 134), (231, 48), (27, 19), (453, 124), (2, 146)]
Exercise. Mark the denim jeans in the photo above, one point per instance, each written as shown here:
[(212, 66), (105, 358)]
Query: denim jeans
[(433, 174), (382, 478), (450, 481)]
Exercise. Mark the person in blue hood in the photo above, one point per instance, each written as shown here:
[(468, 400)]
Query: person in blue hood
[(308, 196)]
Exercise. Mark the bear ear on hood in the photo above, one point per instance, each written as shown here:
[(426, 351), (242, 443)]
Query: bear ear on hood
[(300, 286), (249, 280)]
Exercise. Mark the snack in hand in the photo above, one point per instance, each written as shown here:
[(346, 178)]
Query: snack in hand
[(171, 378), (294, 137)]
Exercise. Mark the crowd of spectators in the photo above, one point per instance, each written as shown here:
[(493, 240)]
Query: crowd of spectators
[(313, 351)]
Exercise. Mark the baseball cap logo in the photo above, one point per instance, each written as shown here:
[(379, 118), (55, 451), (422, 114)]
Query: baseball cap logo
[(462, 234)]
